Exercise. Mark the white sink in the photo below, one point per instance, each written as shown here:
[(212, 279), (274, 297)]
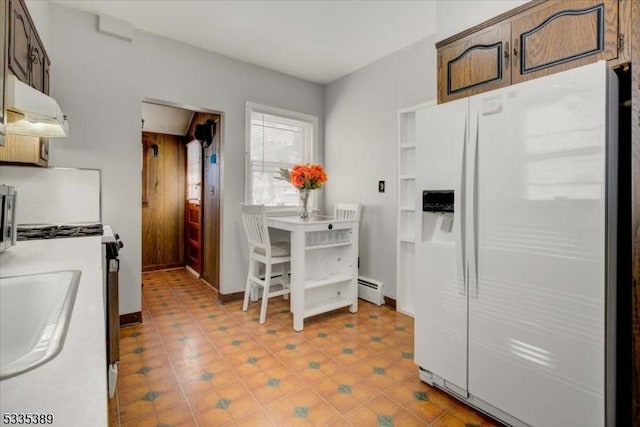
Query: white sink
[(35, 311)]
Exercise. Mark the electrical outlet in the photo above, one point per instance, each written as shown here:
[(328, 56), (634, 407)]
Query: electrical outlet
[(380, 186)]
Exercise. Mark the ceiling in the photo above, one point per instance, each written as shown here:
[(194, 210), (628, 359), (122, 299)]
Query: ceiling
[(315, 40), (166, 120)]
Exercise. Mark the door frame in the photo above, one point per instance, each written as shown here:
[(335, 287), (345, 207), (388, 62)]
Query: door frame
[(219, 139)]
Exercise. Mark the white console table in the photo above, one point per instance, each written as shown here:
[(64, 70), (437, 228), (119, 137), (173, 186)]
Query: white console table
[(324, 264)]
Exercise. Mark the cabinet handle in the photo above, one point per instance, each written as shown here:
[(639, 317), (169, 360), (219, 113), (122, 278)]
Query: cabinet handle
[(515, 52), (35, 59), (506, 55)]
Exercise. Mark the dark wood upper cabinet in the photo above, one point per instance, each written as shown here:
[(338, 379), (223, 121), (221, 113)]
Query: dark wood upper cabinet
[(38, 61), (474, 64), (4, 13), (46, 76), (561, 35), (27, 58), (533, 40), (19, 40)]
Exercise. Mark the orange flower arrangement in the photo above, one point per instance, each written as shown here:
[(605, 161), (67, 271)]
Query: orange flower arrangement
[(305, 177)]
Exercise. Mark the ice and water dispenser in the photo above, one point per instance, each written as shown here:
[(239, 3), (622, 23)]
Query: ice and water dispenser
[(437, 201), (437, 215)]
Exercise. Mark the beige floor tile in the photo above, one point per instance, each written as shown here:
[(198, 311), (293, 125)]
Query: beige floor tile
[(273, 384), (382, 411), (305, 408), (255, 419), (228, 403), (195, 361), (345, 390)]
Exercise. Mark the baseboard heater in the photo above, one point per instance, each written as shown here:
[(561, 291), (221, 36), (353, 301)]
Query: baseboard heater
[(370, 290)]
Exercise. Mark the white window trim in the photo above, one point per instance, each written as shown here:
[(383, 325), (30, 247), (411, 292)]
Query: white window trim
[(312, 157)]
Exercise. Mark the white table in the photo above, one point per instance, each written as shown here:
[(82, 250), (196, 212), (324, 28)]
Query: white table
[(324, 264)]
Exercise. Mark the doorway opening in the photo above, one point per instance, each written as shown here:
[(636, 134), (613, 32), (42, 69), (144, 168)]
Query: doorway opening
[(181, 157)]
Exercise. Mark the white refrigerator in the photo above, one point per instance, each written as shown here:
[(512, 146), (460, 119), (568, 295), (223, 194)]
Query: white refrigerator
[(515, 249)]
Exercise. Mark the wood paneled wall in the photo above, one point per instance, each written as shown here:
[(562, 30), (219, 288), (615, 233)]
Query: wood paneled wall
[(163, 207), (210, 202)]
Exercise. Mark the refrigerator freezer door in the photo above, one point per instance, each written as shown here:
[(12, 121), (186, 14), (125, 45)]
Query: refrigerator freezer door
[(537, 326), (440, 287)]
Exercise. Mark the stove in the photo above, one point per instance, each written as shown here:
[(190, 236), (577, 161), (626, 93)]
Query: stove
[(58, 231)]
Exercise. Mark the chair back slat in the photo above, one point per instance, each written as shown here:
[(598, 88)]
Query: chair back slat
[(255, 226), (347, 211)]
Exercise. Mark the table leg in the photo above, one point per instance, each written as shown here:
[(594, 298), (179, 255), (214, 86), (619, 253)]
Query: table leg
[(297, 278)]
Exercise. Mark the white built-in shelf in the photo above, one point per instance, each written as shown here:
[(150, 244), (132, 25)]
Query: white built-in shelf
[(325, 305), (328, 245), (411, 138), (331, 280)]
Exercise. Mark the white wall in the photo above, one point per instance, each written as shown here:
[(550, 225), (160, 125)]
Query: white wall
[(39, 11), (454, 16), (361, 146), (100, 83), (361, 130)]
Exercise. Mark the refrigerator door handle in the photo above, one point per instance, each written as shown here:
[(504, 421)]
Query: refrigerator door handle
[(459, 212), (472, 252)]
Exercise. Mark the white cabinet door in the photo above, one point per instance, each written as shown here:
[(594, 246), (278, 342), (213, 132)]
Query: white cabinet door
[(536, 318), (439, 288)]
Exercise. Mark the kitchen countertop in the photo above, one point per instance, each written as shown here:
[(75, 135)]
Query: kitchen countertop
[(73, 385)]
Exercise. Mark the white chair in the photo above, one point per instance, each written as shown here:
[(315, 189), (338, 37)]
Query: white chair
[(262, 251), (347, 211)]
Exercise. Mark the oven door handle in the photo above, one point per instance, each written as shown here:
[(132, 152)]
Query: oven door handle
[(113, 314), (14, 231)]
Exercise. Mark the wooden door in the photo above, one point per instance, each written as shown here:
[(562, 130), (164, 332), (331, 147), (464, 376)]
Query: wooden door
[(211, 216), (193, 234), (560, 35), (474, 64), (210, 203), (163, 209), (19, 40)]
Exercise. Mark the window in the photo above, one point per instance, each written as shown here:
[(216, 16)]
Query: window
[(194, 170), (276, 139)]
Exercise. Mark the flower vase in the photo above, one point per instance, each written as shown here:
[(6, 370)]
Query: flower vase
[(304, 199)]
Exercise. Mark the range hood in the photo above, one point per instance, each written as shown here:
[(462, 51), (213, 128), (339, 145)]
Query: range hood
[(31, 112)]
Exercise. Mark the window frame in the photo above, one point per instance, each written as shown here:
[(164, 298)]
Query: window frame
[(311, 148), (200, 172)]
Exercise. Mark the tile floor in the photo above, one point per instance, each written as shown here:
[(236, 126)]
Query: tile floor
[(195, 362)]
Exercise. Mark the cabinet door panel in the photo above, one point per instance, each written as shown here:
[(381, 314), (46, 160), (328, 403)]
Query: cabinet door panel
[(474, 64), (24, 149), (193, 236), (47, 64), (38, 64), (4, 12), (564, 35), (19, 40)]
